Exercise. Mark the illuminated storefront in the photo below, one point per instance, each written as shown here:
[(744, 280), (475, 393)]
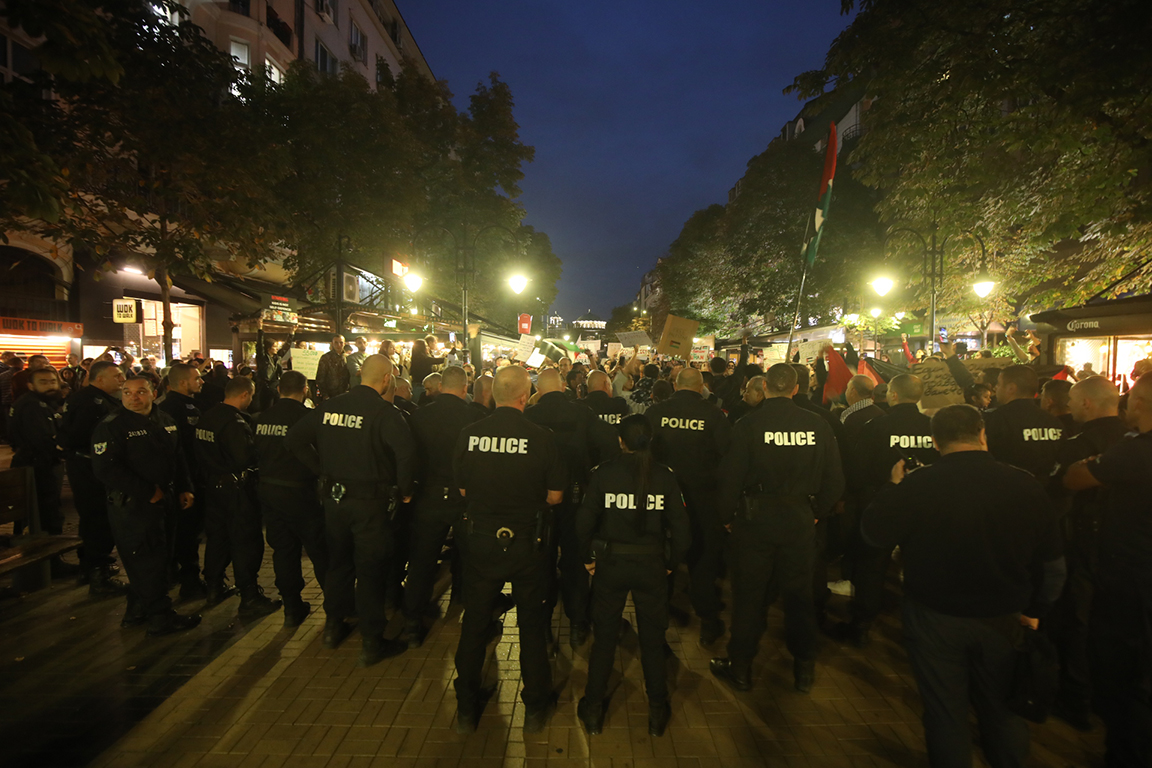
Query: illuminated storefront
[(1108, 336)]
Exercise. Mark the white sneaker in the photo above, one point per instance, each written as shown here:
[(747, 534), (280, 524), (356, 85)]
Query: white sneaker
[(843, 587)]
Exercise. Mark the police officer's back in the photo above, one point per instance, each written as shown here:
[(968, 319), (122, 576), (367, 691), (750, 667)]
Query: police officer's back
[(600, 399), (1019, 432), (363, 448), (781, 474), (509, 470)]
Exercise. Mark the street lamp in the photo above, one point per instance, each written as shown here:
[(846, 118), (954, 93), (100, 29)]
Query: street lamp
[(882, 285), (518, 283), (983, 284), (413, 281)]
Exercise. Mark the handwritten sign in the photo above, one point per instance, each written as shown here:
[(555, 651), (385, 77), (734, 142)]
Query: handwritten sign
[(774, 353), (810, 350), (614, 348), (306, 361), (526, 346), (634, 338), (536, 359), (676, 340)]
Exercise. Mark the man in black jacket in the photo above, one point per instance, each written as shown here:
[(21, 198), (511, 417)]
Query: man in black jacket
[(184, 529), (33, 423), (1019, 432), (599, 398)]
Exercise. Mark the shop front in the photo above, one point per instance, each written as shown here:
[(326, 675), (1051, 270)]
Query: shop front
[(1107, 337), (54, 338)]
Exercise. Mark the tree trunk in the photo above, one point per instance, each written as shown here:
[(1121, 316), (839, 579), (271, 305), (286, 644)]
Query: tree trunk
[(166, 302)]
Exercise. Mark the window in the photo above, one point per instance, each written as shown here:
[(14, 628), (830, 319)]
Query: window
[(326, 62), (16, 59), (383, 71), (275, 73), (357, 43), (241, 54), (327, 10)]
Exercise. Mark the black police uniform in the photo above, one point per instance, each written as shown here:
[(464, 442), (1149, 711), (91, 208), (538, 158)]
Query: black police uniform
[(438, 505), (692, 435), (782, 473), (634, 535), (1081, 515), (133, 455), (405, 405), (902, 433), (33, 422), (289, 503), (506, 466), (1024, 435), (83, 411), (610, 409), (364, 451), (185, 529), (1120, 631), (225, 459), (584, 441)]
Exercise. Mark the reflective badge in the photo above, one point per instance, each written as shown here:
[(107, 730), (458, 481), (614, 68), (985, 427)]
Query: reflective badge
[(99, 448), (337, 492), (192, 420), (505, 536)]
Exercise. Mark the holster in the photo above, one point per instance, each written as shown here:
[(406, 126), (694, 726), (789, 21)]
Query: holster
[(544, 529)]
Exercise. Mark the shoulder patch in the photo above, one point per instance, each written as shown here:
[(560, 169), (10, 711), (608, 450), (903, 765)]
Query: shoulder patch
[(99, 448), (98, 401)]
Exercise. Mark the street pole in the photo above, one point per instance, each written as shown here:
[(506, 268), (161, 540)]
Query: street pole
[(936, 255)]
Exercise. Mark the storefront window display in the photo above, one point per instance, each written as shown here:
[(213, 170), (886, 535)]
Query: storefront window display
[(147, 337)]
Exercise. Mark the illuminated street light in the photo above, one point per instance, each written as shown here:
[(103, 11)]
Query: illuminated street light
[(875, 312), (851, 319), (567, 337), (983, 283), (899, 315), (882, 285), (413, 281), (518, 283)]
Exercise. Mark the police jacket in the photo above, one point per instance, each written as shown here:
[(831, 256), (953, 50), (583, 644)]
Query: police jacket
[(583, 439), (224, 443), (902, 433), (436, 428), (785, 455), (32, 426), (810, 405), (690, 435), (1020, 433), (506, 465), (609, 409), (277, 464), (617, 510), (357, 438), (1084, 507), (1125, 542), (83, 410), (405, 405), (186, 414), (133, 453)]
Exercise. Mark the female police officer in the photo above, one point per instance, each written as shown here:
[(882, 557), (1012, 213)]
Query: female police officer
[(632, 508)]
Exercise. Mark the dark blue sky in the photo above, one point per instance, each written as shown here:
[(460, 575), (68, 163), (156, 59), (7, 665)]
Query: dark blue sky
[(641, 111)]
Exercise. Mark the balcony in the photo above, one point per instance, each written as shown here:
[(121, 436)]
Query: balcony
[(278, 27), (242, 7)]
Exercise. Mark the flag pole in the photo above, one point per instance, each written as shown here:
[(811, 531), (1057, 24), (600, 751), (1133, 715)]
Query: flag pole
[(799, 296)]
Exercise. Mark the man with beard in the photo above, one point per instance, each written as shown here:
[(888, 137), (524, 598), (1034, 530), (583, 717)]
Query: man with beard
[(32, 426)]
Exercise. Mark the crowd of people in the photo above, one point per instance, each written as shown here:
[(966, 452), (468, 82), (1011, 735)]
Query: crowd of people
[(1025, 510)]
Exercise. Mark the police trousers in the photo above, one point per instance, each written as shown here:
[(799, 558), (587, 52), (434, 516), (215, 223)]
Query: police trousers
[(232, 524), (48, 478), (486, 569), (869, 573), (705, 556), (644, 577), (959, 663), (1069, 621), (92, 507), (361, 546), (432, 519), (294, 522), (1120, 650), (138, 529), (573, 583), (772, 551), (184, 530)]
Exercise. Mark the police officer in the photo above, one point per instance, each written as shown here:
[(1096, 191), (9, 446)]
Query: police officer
[(226, 458), (482, 395), (362, 447), (1019, 432), (782, 474), (1094, 403), (611, 410), (633, 530), (289, 498), (902, 433), (510, 471), (583, 441), (136, 454), (403, 397), (85, 408), (691, 435), (33, 423), (184, 383), (1120, 629), (438, 505)]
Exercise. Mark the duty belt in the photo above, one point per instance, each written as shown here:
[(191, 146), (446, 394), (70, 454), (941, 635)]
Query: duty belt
[(238, 478), (359, 489), (755, 500), (615, 548), (503, 535), (285, 483)]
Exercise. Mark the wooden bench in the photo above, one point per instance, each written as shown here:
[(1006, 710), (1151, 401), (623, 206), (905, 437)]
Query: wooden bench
[(28, 557)]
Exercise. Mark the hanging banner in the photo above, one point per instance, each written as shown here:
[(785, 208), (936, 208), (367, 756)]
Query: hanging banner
[(525, 324), (20, 326)]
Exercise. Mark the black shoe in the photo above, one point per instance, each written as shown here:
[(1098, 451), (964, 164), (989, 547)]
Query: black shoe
[(805, 673), (193, 588), (503, 604), (578, 636), (536, 720), (254, 603), (711, 630), (167, 623), (101, 584), (335, 630), (722, 669), (375, 650), (294, 616), (1076, 715), (658, 717), (467, 720), (592, 715), (415, 634), (679, 616), (133, 616), (218, 593)]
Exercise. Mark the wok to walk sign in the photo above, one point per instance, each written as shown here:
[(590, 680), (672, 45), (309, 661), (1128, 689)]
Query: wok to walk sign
[(676, 340)]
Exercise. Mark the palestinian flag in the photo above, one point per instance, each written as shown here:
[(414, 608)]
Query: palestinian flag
[(810, 247), (838, 376)]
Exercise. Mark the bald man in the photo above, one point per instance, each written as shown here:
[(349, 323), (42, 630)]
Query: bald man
[(431, 388), (362, 445), (600, 399), (510, 472), (402, 397), (482, 394), (1120, 627), (1094, 404)]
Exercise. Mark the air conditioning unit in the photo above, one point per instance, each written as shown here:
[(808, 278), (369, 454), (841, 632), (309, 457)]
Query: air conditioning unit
[(324, 10), (351, 289), (359, 51)]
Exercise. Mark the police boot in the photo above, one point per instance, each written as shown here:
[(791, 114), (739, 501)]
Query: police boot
[(592, 715), (218, 593), (134, 614), (254, 603), (376, 649), (335, 630), (659, 713), (535, 720), (726, 671), (101, 583), (467, 719), (415, 633), (168, 622), (711, 630), (805, 674), (294, 615)]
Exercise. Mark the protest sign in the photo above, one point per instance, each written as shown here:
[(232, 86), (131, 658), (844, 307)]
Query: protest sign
[(634, 338), (526, 346), (306, 361), (676, 340)]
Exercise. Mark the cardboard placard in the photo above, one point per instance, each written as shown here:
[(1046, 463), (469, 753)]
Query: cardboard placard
[(536, 359), (810, 350), (701, 355), (774, 354), (634, 338), (526, 346), (676, 340), (614, 348), (306, 361)]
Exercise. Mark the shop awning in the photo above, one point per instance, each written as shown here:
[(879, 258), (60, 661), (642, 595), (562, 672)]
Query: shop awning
[(219, 292), (1105, 318)]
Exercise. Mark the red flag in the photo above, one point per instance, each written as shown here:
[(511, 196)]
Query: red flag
[(1063, 374), (865, 369), (839, 374)]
